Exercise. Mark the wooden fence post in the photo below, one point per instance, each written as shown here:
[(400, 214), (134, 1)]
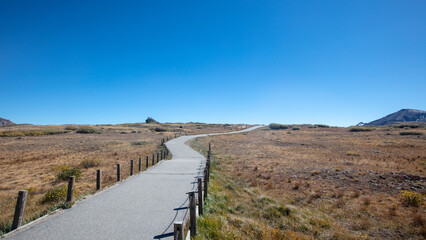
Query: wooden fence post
[(19, 209), (158, 157), (153, 159), (200, 196), (118, 172), (178, 231), (140, 164), (131, 167), (147, 161), (205, 184), (70, 193), (98, 179), (208, 171), (192, 214)]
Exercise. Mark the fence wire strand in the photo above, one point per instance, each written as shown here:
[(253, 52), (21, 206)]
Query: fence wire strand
[(8, 201)]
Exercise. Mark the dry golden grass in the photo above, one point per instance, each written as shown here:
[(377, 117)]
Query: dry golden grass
[(337, 184), (31, 162)]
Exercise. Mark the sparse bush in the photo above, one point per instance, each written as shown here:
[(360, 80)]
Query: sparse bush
[(366, 201), (360, 129), (30, 133), (296, 186), (67, 172), (296, 128), (139, 143), (276, 212), (87, 130), (353, 153), (276, 126), (407, 125), (71, 128), (355, 194), (88, 163), (12, 134), (150, 120), (55, 195), (160, 129), (411, 133), (412, 199), (322, 126)]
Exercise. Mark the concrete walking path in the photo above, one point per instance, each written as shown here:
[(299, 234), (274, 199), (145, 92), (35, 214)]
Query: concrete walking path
[(143, 206)]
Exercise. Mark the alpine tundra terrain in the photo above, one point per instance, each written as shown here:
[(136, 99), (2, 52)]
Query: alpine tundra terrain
[(317, 182), (40, 158)]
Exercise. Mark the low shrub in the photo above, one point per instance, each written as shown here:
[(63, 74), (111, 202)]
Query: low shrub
[(410, 133), (412, 199), (139, 143), (71, 128), (160, 129), (88, 163), (87, 130), (55, 195), (407, 126), (322, 126), (276, 126), (12, 134), (296, 128), (360, 129), (276, 212), (67, 172), (30, 133)]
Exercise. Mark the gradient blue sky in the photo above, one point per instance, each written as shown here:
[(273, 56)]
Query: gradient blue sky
[(333, 62)]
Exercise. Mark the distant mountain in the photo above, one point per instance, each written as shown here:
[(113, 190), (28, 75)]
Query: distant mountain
[(5, 122), (403, 115)]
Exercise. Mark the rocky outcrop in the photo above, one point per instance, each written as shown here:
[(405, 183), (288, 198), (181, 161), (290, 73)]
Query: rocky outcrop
[(5, 122)]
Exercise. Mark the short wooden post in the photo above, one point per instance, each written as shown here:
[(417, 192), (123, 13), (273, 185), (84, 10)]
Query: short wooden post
[(118, 172), (140, 164), (19, 209), (178, 231), (131, 167), (210, 147), (158, 157), (192, 214), (153, 159), (147, 161), (70, 193), (98, 179), (162, 142), (205, 184), (208, 171), (200, 196)]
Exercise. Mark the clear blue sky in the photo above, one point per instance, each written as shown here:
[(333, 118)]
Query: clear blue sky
[(333, 62)]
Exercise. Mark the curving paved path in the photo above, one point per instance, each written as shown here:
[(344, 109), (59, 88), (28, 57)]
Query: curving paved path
[(141, 207)]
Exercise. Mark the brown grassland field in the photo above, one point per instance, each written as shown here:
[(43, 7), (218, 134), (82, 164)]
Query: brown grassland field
[(32, 157), (316, 183)]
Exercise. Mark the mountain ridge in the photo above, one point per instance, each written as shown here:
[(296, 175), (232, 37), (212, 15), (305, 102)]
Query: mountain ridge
[(5, 122), (403, 115)]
